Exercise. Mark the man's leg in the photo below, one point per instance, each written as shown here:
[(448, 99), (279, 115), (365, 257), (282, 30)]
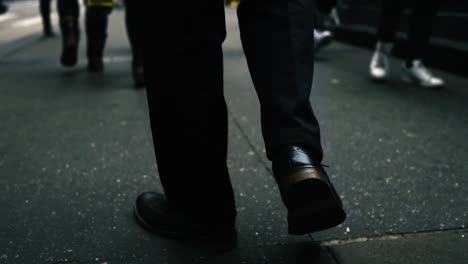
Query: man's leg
[(279, 50), (184, 67), (135, 32), (379, 67), (44, 8), (69, 12), (68, 8), (276, 36), (96, 32)]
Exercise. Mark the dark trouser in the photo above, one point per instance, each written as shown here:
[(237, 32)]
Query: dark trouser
[(44, 8), (423, 15), (96, 23), (68, 8), (135, 27), (188, 112), (325, 6), (96, 30)]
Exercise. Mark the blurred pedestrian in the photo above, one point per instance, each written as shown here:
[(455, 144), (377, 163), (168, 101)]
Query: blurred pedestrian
[(97, 12), (189, 118), (135, 27), (323, 35), (44, 8), (422, 19)]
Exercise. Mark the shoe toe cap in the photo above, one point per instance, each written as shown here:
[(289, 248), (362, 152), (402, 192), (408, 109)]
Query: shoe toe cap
[(378, 73), (148, 200)]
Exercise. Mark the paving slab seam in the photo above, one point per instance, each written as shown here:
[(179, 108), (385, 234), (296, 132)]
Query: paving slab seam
[(330, 253), (392, 236)]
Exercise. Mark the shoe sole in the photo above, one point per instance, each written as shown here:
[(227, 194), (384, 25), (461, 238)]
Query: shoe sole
[(409, 80), (320, 207), (145, 225)]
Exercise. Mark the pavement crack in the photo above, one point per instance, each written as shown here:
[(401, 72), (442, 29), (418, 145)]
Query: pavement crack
[(330, 253), (257, 154), (395, 236)]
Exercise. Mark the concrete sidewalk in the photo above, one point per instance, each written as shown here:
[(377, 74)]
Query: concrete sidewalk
[(75, 151)]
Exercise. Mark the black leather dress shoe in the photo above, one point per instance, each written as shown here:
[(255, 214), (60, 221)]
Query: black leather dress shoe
[(154, 213), (307, 192)]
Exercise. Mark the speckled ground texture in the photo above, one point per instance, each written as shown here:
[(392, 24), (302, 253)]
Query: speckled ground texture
[(76, 149)]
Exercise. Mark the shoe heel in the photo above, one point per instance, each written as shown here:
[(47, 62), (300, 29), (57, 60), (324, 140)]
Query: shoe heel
[(317, 207)]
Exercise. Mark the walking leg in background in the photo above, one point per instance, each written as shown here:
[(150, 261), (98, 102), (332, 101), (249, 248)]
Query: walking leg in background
[(135, 26), (379, 66), (279, 50), (69, 12), (324, 23), (96, 20), (422, 21), (323, 19), (44, 8)]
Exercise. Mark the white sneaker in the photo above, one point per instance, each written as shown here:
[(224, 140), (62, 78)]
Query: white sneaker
[(379, 67), (322, 39), (419, 74)]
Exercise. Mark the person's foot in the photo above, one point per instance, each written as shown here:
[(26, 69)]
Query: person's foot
[(307, 192), (138, 73), (70, 39), (155, 213), (379, 67), (419, 74), (48, 32), (95, 65), (322, 39)]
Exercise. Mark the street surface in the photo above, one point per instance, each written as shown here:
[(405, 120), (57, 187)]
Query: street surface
[(76, 149)]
